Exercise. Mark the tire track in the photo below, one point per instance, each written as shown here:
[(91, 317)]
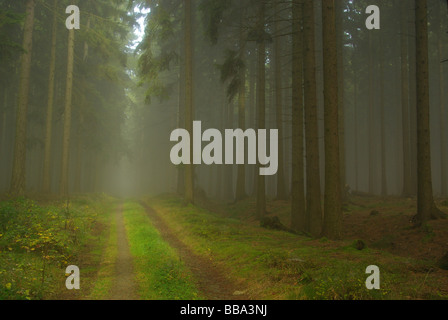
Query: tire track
[(124, 287), (209, 277)]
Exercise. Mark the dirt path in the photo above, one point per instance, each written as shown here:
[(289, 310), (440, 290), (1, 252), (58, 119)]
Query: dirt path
[(209, 277), (124, 287)]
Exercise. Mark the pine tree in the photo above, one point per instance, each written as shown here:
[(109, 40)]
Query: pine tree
[(49, 119), (313, 190), (332, 225), (261, 109), (18, 181), (63, 185), (298, 221), (281, 190), (426, 208), (189, 169)]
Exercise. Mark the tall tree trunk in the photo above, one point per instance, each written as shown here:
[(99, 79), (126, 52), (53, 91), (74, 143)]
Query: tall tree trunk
[(313, 192), (78, 163), (332, 226), (79, 146), (281, 191), (228, 169), (341, 103), (18, 180), (79, 137), (261, 106), (253, 176), (371, 122), (443, 139), (3, 121), (63, 186), (298, 219), (189, 168), (425, 201), (49, 121), (241, 176), (383, 125), (405, 104), (220, 168), (355, 112), (181, 124), (3, 130), (412, 110)]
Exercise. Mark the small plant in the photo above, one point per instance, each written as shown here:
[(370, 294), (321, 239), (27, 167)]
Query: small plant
[(35, 243)]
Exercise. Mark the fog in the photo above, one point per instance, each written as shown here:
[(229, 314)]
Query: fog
[(129, 94)]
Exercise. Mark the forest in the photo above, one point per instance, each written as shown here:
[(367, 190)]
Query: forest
[(223, 150)]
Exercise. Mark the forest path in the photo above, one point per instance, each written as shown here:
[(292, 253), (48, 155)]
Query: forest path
[(209, 277), (124, 287)]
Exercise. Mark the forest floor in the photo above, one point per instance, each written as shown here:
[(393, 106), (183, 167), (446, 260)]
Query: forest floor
[(384, 228), (159, 248), (380, 222)]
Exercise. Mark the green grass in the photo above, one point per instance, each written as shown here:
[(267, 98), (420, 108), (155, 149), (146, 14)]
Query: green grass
[(106, 272), (38, 241), (279, 265), (160, 275)]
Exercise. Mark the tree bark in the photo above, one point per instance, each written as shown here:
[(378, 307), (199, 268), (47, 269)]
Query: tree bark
[(181, 122), (355, 107), (332, 225), (371, 122), (443, 139), (298, 219), (18, 180), (313, 191), (189, 168), (63, 186), (261, 108), (253, 176), (49, 120), (425, 200), (3, 121), (341, 94), (405, 104), (281, 191), (412, 110), (383, 126), (228, 169), (78, 163), (241, 175)]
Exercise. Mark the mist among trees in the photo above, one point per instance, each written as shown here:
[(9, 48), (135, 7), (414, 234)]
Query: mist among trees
[(356, 90)]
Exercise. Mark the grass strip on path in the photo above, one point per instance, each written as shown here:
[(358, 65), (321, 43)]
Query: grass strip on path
[(106, 272), (159, 273)]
